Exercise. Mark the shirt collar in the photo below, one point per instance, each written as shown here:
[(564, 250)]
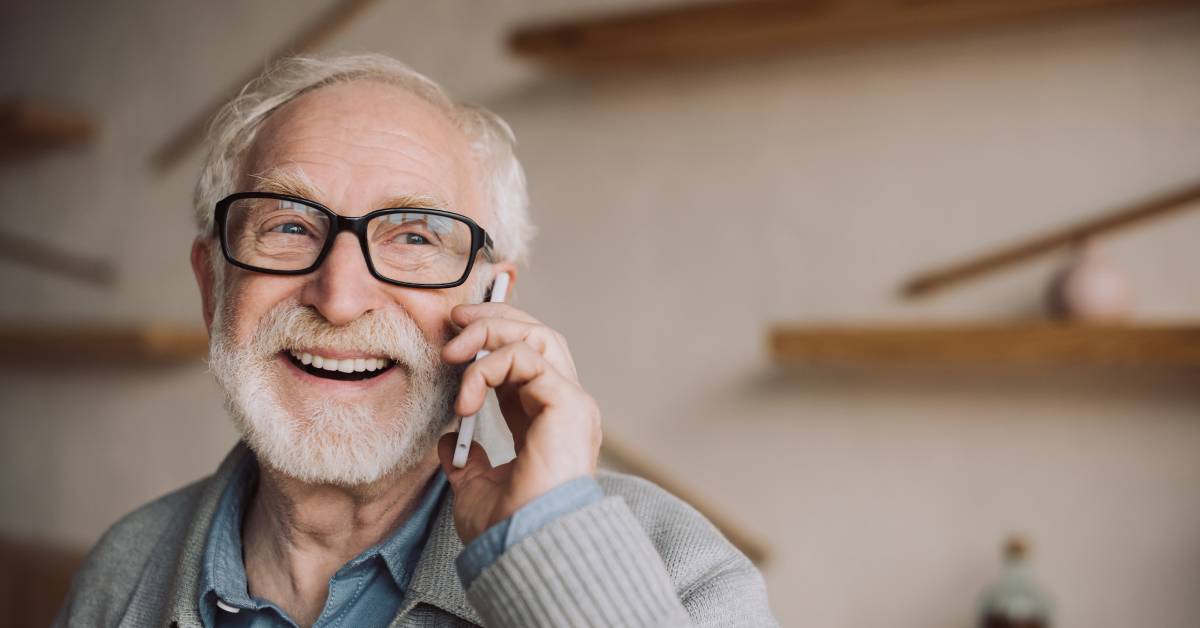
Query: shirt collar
[(435, 580), (223, 572), (173, 576), (401, 550)]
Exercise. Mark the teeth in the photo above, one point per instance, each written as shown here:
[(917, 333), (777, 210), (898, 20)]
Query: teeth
[(377, 364), (345, 365)]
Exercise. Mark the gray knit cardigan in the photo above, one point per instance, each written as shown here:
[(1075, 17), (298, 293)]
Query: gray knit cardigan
[(639, 557)]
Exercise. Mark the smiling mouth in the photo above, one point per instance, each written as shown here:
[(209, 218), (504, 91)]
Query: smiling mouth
[(345, 369)]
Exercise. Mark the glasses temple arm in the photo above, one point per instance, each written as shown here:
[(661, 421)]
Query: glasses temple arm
[(488, 248)]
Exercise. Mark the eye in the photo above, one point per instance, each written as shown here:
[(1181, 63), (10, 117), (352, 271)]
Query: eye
[(290, 228), (414, 238)]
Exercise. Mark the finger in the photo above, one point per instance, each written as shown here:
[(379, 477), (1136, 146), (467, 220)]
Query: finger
[(491, 334), (538, 397), (494, 333), (467, 313), (516, 364), (477, 460)]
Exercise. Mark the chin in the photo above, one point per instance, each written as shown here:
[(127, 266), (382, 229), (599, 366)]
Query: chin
[(332, 441)]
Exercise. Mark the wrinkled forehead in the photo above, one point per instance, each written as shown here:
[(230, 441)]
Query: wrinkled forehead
[(364, 145)]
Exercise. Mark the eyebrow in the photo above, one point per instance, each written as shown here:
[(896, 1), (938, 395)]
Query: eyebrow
[(292, 182), (295, 182), (415, 201)]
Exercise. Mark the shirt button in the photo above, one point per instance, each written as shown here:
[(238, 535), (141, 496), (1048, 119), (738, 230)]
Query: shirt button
[(225, 607)]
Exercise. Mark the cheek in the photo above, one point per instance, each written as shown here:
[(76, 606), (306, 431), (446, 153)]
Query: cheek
[(250, 296), (432, 315), (437, 328)]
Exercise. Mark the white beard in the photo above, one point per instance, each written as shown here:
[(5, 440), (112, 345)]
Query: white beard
[(324, 439)]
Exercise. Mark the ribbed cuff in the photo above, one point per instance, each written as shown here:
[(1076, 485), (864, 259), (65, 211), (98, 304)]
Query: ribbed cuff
[(593, 567), (558, 501)]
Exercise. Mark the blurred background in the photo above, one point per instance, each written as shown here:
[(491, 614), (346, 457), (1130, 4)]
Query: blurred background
[(732, 199)]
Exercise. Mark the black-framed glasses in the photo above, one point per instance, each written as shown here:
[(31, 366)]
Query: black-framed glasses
[(415, 247)]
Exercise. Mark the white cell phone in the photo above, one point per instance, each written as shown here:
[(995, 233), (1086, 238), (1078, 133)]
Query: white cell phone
[(466, 428)]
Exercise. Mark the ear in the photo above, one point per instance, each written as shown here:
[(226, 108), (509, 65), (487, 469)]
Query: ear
[(506, 267), (202, 269)]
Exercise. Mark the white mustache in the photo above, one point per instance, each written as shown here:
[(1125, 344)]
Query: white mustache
[(289, 326)]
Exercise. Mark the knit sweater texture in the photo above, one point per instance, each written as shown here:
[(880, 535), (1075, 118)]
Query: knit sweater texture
[(639, 557)]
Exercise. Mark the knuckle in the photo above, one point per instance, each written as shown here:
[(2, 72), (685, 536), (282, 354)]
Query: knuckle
[(523, 352), (511, 351), (537, 335)]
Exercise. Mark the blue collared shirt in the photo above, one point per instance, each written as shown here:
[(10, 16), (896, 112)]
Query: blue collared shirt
[(368, 590)]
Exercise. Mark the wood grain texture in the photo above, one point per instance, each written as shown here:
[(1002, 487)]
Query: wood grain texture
[(1029, 344), (714, 31)]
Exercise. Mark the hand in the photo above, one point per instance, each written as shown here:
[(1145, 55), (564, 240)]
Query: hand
[(555, 423)]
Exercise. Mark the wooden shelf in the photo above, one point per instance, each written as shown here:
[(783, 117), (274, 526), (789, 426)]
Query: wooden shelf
[(62, 262), (1175, 201), (1027, 344), (713, 31), (27, 127), (35, 578), (47, 344)]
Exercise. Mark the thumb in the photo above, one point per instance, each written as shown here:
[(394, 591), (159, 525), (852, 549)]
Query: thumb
[(477, 460)]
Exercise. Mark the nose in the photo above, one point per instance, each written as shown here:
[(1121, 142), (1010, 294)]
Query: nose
[(342, 288)]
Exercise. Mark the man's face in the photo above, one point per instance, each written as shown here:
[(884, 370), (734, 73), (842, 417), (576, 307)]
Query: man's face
[(354, 148)]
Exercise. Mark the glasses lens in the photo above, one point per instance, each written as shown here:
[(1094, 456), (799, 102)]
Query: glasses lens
[(418, 247), (275, 234)]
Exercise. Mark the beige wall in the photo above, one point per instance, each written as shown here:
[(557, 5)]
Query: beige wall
[(681, 213)]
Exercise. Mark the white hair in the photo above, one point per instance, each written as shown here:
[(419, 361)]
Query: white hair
[(491, 139)]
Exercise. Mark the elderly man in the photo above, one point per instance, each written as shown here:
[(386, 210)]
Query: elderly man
[(352, 219)]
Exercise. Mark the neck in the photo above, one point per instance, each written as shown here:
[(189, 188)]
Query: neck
[(297, 535)]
